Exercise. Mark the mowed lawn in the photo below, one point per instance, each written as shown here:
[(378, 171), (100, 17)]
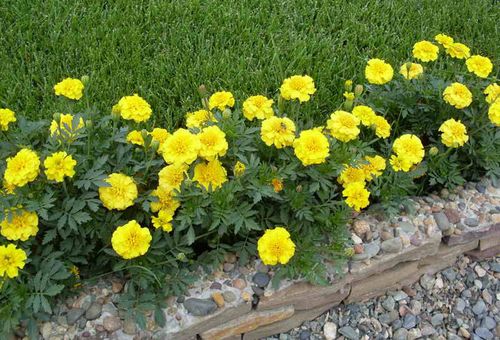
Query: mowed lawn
[(164, 49)]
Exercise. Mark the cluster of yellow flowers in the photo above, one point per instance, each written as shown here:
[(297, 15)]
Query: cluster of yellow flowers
[(492, 93), (354, 179), (408, 152)]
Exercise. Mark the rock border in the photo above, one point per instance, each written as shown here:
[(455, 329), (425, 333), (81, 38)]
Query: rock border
[(238, 302)]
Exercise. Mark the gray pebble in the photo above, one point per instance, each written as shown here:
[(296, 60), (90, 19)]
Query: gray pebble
[(389, 303), (442, 221), (488, 323), (483, 333), (479, 308), (471, 221), (94, 311), (393, 245), (349, 333), (410, 321), (200, 307), (261, 279), (73, 315), (401, 334), (437, 319)]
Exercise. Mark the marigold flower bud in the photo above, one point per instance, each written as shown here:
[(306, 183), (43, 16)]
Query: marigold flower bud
[(433, 151), (155, 145), (348, 85), (202, 90), (85, 79), (56, 117), (358, 90)]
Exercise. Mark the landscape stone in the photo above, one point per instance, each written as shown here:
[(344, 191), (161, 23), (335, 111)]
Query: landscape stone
[(488, 323), (229, 296), (401, 334), (94, 311), (437, 319), (200, 307), (73, 315), (392, 246), (483, 333), (389, 303), (261, 279), (247, 323), (442, 221), (112, 323), (409, 321), (330, 331), (349, 333), (479, 307), (407, 227)]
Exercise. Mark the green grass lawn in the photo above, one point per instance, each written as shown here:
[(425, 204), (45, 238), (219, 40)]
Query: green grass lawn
[(164, 50)]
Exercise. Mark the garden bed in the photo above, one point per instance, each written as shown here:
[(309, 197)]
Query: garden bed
[(239, 301)]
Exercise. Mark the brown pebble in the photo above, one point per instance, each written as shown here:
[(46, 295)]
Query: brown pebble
[(112, 323), (385, 235), (239, 283), (409, 291), (116, 286), (230, 257), (218, 298), (359, 249)]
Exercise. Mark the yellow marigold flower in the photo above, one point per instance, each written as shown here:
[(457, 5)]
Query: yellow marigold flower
[(160, 135), (298, 87), (259, 107), (343, 126), (65, 126), (70, 88), (349, 96), (120, 194), (348, 85), (277, 184), (11, 260), (181, 147), (210, 174), (378, 72), (311, 147), (444, 40), (23, 168), (350, 175), (133, 108), (409, 147), (479, 65), (356, 195), (277, 131), (494, 113), (275, 246), (374, 168), (135, 137), (382, 127), (171, 177), (131, 240), (6, 117), (411, 70), (239, 169), (425, 51), (163, 221), (198, 119), (59, 165), (213, 142), (166, 201), (454, 133), (458, 50), (492, 93), (221, 100), (400, 163), (22, 226), (365, 114), (457, 95)]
